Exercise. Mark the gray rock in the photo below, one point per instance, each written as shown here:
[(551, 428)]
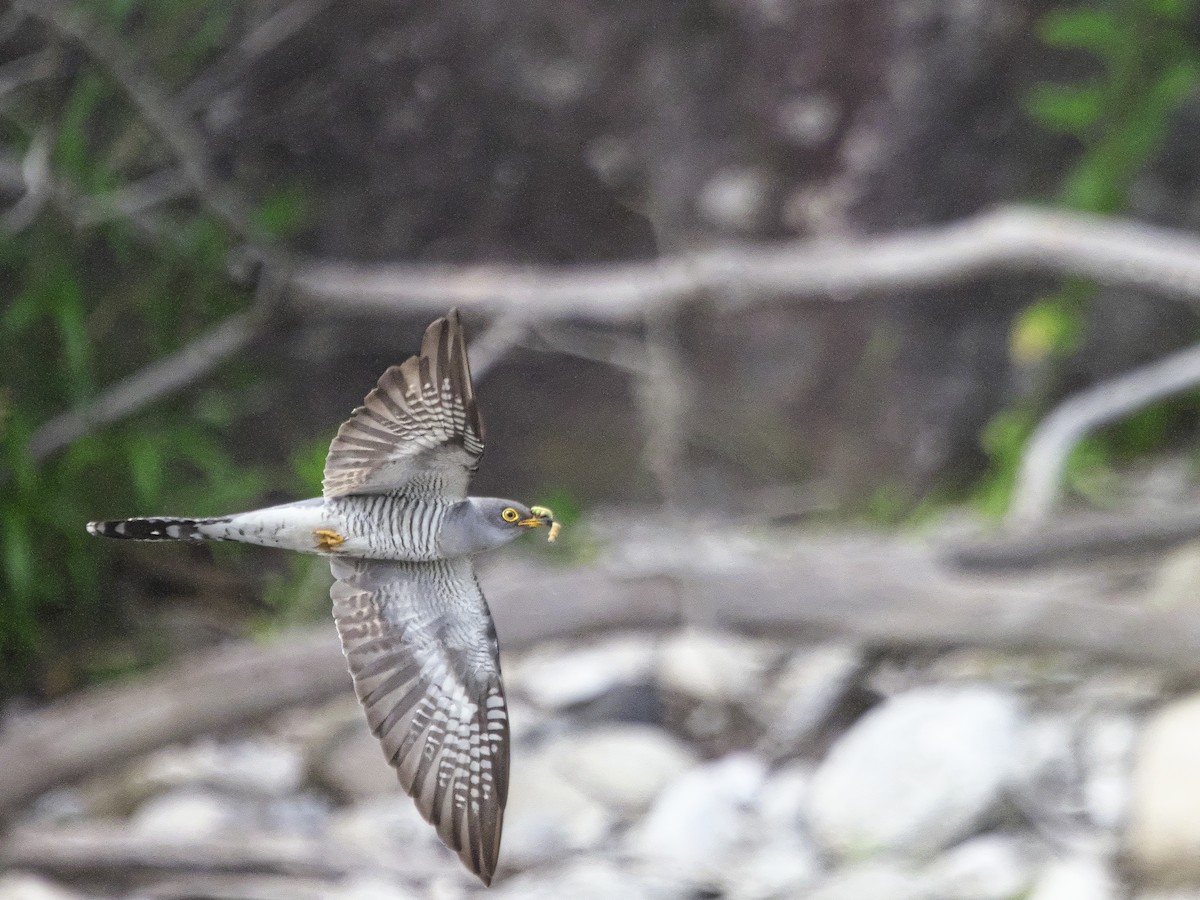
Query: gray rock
[(1077, 878), (784, 798), (876, 880), (261, 766), (350, 763), (549, 817), (1164, 829), (714, 667), (188, 813), (556, 677), (917, 773), (589, 879), (622, 766), (810, 686), (27, 886), (785, 866), (701, 817), (370, 887), (389, 831), (988, 867)]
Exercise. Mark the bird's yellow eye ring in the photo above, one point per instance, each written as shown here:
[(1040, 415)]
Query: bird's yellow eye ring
[(508, 514)]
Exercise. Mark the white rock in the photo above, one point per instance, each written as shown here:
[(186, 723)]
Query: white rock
[(1164, 828), (368, 887), (784, 797), (27, 886), (916, 773), (712, 666), (265, 767), (784, 867), (548, 817), (388, 830), (186, 814), (1107, 747), (1078, 878), (806, 691), (557, 677), (351, 764), (988, 867), (621, 766), (701, 817), (588, 879), (871, 881)]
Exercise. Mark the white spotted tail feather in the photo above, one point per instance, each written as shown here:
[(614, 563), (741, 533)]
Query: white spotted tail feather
[(418, 431), (423, 654)]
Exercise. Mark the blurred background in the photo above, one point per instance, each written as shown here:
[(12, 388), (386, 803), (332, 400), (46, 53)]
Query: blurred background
[(831, 468)]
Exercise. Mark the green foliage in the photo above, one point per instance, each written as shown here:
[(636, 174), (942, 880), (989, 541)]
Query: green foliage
[(86, 306), (1143, 62)]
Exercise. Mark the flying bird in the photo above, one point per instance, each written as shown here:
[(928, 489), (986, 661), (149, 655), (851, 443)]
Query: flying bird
[(399, 530)]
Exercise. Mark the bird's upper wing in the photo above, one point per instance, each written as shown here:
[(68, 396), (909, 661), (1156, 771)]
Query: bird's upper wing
[(422, 650), (418, 431)]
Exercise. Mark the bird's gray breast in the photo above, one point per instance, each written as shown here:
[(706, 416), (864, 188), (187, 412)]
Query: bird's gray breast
[(391, 526)]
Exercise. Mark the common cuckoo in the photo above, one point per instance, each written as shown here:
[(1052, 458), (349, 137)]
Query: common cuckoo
[(399, 530)]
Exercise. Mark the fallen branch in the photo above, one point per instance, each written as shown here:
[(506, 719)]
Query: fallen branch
[(1088, 539), (1109, 250), (114, 850), (877, 592), (1045, 455)]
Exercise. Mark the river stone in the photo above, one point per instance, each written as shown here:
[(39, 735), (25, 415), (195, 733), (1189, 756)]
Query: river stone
[(557, 677), (877, 880), (1164, 828), (988, 867), (1076, 878), (27, 886), (187, 814), (804, 694), (786, 866), (701, 817), (589, 879), (714, 667), (916, 773), (622, 766), (351, 764), (548, 817)]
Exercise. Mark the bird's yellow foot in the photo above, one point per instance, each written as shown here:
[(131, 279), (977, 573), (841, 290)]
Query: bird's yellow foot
[(328, 540)]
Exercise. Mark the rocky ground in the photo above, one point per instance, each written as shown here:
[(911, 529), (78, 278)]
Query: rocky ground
[(692, 765)]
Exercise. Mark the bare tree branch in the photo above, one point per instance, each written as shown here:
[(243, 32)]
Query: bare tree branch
[(732, 277), (28, 69), (152, 103), (1045, 456), (501, 337), (35, 180)]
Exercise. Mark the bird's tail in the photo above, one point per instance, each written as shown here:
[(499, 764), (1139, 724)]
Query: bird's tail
[(156, 529)]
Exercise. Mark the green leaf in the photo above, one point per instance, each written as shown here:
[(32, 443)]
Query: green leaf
[(1092, 28), (1072, 109)]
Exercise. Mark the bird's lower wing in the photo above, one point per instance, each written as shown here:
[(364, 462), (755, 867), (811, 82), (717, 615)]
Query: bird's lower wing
[(422, 650)]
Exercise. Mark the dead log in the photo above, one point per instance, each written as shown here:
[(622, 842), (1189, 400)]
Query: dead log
[(877, 591)]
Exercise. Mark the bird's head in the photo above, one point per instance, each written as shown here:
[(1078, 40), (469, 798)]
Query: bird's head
[(486, 522)]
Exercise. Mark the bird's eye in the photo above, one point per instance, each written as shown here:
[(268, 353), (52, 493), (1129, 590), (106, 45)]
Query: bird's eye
[(509, 514)]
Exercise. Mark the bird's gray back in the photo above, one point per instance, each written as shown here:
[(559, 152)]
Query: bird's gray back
[(392, 525)]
